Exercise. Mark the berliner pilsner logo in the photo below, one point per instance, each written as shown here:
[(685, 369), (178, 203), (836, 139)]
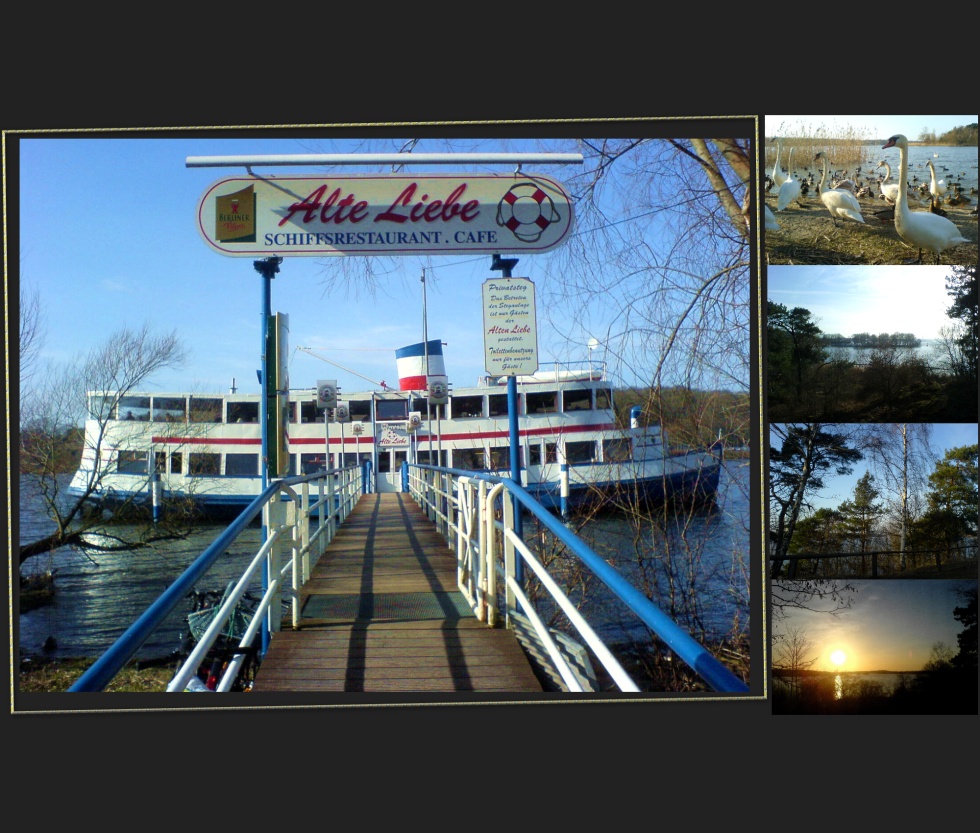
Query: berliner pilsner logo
[(234, 217)]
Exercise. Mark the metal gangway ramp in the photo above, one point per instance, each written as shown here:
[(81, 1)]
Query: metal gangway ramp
[(382, 612), (433, 588)]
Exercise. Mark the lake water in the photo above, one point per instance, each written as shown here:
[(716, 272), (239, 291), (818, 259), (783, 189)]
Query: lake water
[(951, 164), (930, 351), (99, 595), (888, 680)]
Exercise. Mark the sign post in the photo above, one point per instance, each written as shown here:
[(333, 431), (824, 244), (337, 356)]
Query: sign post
[(510, 341)]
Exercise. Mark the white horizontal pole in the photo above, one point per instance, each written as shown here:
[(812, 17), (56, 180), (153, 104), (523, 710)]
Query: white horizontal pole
[(387, 159)]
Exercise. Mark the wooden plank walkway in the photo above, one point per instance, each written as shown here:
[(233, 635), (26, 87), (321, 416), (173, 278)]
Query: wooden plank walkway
[(381, 612)]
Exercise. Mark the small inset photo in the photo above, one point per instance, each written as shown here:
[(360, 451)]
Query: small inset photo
[(874, 647), (890, 500), (871, 343), (871, 190)]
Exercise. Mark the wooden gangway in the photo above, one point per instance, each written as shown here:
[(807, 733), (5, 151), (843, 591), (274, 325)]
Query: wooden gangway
[(381, 612)]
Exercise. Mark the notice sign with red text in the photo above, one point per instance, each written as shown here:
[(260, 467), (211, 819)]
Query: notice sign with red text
[(510, 332), (380, 214)]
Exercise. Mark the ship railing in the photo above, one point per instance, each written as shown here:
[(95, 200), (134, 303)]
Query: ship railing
[(300, 515), (478, 514), (557, 372)]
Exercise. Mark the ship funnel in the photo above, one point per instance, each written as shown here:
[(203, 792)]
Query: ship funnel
[(635, 412)]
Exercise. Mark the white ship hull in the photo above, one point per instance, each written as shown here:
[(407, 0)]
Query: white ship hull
[(207, 449)]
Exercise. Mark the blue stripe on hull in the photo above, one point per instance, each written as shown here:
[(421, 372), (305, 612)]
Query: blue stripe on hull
[(698, 485)]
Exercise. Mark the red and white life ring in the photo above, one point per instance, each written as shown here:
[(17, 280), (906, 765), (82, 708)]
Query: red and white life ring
[(526, 211)]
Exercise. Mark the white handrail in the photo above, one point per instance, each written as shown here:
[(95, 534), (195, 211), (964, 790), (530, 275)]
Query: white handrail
[(189, 668), (592, 639)]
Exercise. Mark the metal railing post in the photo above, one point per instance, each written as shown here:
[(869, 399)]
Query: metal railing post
[(304, 531), (277, 520), (510, 559)]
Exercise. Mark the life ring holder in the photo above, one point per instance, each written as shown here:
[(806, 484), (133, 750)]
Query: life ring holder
[(526, 211)]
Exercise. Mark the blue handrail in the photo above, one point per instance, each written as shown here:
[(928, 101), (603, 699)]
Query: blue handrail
[(709, 668), (101, 672)]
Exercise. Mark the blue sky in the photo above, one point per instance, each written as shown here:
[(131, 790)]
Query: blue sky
[(108, 238), (865, 299), (838, 488), (877, 127)]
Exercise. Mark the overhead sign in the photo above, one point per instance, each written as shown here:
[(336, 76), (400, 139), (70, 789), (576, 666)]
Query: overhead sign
[(510, 333), (249, 216)]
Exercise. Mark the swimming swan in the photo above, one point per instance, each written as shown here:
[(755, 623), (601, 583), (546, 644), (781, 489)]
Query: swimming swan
[(922, 229), (839, 203)]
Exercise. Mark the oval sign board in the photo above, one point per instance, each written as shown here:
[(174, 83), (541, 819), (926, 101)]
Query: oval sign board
[(250, 216)]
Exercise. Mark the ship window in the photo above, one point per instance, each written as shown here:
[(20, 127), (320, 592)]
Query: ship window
[(176, 462), (467, 406), (169, 409), (309, 412), (242, 465), (133, 407), (391, 409), (243, 412), (579, 452), (131, 462), (312, 463), (437, 411), (603, 399), (203, 463), (542, 402), (160, 462), (534, 454), (360, 410), (500, 458), (497, 404), (439, 457), (576, 400), (98, 406), (205, 409), (551, 452), (615, 451), (469, 458)]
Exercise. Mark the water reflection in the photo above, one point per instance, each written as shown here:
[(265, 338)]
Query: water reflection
[(838, 687)]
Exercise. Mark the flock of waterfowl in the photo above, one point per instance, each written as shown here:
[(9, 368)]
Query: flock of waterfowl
[(926, 229)]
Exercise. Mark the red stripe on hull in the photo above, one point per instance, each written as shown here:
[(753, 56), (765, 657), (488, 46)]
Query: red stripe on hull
[(369, 440)]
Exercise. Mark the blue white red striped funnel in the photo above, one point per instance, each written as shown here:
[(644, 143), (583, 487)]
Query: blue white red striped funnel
[(411, 365)]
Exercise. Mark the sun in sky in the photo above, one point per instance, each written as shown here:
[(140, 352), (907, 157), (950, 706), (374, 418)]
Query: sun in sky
[(838, 658)]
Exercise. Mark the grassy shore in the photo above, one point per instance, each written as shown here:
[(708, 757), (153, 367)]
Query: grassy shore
[(46, 675), (807, 235)]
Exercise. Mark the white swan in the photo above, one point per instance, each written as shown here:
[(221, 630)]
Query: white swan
[(889, 190), (922, 229), (771, 222), (936, 187), (778, 177), (839, 203), (790, 189)]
